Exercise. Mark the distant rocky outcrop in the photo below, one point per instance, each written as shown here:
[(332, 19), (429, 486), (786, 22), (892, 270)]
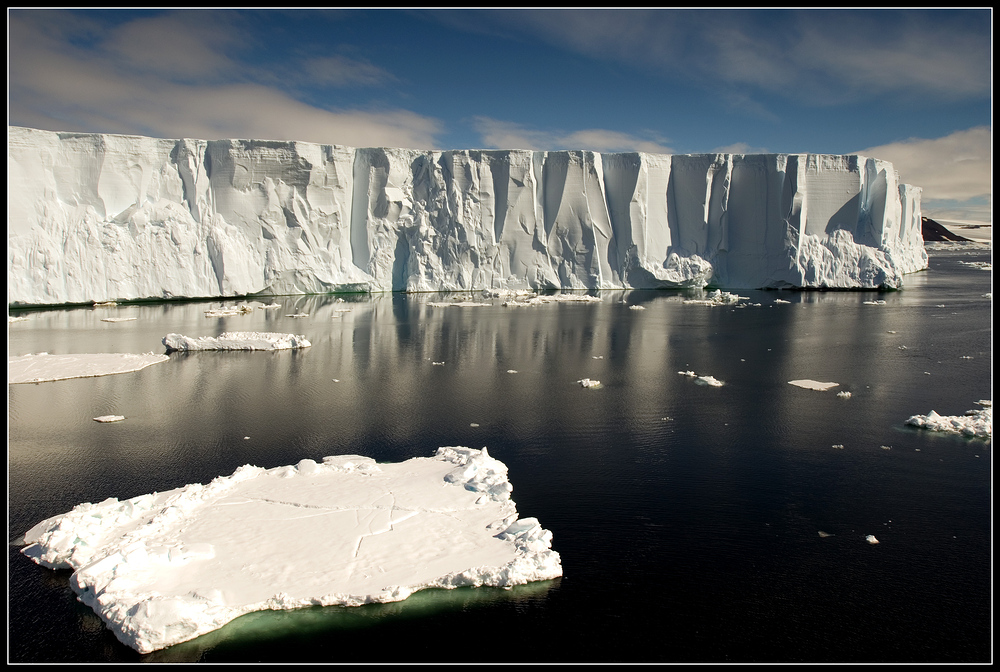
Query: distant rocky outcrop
[(934, 232)]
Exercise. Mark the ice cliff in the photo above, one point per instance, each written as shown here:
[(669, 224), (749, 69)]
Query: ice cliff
[(93, 217)]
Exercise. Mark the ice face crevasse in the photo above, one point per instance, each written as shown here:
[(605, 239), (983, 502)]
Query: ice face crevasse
[(95, 217)]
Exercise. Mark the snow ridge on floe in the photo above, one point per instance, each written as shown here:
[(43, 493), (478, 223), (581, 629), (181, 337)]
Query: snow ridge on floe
[(164, 568)]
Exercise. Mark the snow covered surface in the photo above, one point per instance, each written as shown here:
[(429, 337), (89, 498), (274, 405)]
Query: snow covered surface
[(813, 384), (44, 367), (166, 567), (93, 217), (977, 422), (236, 340)]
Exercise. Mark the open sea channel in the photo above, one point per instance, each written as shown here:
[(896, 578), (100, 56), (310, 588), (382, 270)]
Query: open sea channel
[(687, 516)]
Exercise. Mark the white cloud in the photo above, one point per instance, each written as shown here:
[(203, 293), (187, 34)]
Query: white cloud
[(174, 89), (955, 171), (509, 135)]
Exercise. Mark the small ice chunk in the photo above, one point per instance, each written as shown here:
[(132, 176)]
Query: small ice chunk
[(838, 446), (844, 395), (587, 382), (709, 380), (637, 307), (117, 319), (812, 384), (691, 374), (511, 371), (871, 539), (438, 363), (824, 535), (781, 301), (109, 418)]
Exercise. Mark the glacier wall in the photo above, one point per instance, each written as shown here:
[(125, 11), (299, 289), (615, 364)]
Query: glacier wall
[(93, 217)]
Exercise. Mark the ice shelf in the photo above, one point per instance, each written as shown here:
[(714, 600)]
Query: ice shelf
[(93, 217), (166, 567)]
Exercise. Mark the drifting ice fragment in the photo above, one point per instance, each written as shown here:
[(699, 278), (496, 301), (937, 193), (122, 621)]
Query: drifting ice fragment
[(977, 422), (844, 395), (812, 384), (167, 567), (587, 382), (109, 418), (236, 340), (871, 539), (117, 319), (709, 380)]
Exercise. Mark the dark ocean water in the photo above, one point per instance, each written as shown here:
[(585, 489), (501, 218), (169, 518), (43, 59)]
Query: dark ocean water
[(687, 517)]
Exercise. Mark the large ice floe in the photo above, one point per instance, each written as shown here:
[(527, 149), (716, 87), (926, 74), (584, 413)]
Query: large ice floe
[(166, 567), (976, 422), (43, 367), (236, 340), (94, 217)]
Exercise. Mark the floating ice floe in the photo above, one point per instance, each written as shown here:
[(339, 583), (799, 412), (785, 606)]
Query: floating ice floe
[(109, 418), (458, 304), (22, 318), (587, 382), (844, 395), (164, 568), (874, 303), (709, 380), (118, 319), (871, 539), (982, 265), (44, 367), (719, 298), (824, 535), (781, 301), (228, 312), (977, 422), (690, 374), (637, 307), (236, 340), (812, 384), (532, 299)]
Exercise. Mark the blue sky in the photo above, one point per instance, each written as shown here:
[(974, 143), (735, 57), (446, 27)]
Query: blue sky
[(911, 86)]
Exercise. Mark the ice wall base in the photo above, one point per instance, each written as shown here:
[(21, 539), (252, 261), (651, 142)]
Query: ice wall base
[(95, 217)]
